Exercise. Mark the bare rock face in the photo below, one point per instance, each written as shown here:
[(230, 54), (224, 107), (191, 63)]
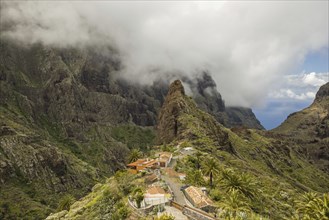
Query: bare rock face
[(173, 106), (322, 99), (323, 92), (180, 119), (207, 98)]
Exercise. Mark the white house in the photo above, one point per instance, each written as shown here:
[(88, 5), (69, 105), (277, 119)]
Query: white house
[(155, 195)]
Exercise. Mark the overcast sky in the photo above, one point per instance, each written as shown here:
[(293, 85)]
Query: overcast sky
[(268, 55)]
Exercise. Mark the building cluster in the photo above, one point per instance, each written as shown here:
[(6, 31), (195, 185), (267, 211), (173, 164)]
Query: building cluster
[(156, 195), (163, 159)]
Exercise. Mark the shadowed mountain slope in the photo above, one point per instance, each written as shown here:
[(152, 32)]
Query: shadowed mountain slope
[(310, 128)]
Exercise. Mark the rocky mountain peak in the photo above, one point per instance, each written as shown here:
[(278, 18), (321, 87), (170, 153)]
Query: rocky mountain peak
[(323, 92), (173, 106), (176, 88)]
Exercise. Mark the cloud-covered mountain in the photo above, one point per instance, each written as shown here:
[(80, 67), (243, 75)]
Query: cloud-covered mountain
[(247, 46)]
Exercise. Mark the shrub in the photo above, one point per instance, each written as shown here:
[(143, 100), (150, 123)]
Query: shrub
[(312, 206), (165, 217), (66, 202)]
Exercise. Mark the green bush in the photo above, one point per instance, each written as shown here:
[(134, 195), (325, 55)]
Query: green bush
[(66, 202), (138, 196), (216, 194), (121, 212), (165, 217)]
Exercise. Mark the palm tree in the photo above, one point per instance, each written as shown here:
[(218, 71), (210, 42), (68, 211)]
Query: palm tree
[(210, 167), (243, 183), (198, 156), (134, 155), (195, 178), (234, 206)]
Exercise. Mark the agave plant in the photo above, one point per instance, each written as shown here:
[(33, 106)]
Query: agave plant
[(312, 206), (134, 155)]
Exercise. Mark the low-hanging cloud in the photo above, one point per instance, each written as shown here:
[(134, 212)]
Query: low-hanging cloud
[(247, 46)]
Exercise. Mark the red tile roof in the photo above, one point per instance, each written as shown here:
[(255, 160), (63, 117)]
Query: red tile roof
[(155, 190), (142, 162), (199, 198)]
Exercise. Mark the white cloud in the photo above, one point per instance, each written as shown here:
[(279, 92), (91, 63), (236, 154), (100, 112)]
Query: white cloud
[(299, 86), (313, 79), (247, 46), (288, 93)]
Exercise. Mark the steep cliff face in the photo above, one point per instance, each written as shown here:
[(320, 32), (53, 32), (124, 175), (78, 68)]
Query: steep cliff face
[(180, 118), (239, 116), (73, 86), (168, 127), (207, 97), (310, 128)]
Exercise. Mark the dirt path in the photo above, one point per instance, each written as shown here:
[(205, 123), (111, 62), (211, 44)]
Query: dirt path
[(175, 187)]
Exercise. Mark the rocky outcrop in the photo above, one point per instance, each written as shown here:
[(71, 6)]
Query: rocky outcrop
[(174, 105), (181, 119), (323, 93)]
